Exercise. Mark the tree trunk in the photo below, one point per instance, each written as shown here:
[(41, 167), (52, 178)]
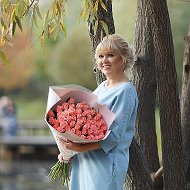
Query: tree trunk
[(138, 177), (144, 78), (185, 108), (137, 163), (172, 154), (106, 17)]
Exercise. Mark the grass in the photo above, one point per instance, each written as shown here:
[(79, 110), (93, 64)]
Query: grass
[(30, 109)]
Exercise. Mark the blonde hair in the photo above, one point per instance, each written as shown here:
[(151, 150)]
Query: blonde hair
[(116, 43)]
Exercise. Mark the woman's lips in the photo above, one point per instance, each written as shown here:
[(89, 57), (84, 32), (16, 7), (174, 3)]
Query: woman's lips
[(105, 66)]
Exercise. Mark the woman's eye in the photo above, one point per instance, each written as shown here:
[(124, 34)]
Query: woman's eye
[(100, 56), (110, 55)]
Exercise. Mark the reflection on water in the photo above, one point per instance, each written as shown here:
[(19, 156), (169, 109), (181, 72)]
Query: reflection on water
[(27, 175)]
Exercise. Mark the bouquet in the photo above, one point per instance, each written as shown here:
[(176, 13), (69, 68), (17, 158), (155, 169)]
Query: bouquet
[(74, 114)]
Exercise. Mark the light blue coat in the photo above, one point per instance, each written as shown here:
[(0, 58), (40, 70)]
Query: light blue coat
[(106, 168)]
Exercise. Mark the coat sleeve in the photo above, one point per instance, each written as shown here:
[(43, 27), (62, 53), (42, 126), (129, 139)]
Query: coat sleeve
[(125, 110)]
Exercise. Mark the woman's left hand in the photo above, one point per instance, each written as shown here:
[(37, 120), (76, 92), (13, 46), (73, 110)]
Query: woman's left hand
[(78, 147)]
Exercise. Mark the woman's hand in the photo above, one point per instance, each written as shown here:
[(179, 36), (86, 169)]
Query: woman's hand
[(78, 147)]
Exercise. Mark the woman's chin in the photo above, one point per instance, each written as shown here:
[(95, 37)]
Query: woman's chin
[(107, 72)]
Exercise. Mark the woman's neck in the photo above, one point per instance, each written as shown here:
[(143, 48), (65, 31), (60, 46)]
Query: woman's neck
[(112, 81)]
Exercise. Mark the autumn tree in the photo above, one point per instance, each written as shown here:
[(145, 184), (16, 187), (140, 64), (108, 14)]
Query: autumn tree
[(17, 76)]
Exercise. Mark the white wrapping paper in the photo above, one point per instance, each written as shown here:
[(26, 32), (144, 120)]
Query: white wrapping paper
[(59, 94)]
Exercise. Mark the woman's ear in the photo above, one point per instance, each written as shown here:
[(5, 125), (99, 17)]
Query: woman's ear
[(124, 64)]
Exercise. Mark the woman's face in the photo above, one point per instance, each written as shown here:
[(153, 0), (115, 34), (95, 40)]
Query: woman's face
[(110, 62)]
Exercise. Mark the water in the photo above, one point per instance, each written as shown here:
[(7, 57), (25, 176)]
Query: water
[(27, 175)]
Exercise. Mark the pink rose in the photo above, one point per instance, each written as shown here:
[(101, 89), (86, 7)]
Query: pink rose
[(78, 118)]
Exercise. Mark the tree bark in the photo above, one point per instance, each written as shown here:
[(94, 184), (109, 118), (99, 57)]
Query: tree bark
[(106, 17), (172, 154), (144, 78), (185, 108), (138, 177)]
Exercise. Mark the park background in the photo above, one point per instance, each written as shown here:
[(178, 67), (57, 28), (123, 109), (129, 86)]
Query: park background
[(70, 60)]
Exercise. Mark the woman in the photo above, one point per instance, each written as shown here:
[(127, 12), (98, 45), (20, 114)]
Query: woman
[(103, 165)]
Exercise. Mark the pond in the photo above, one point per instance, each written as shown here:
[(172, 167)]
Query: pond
[(27, 175)]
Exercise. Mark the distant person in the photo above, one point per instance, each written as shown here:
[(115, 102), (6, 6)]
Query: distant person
[(8, 120)]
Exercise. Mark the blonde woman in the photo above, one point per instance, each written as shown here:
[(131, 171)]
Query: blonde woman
[(103, 165)]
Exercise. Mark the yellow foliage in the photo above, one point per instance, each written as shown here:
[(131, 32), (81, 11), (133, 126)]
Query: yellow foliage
[(16, 74)]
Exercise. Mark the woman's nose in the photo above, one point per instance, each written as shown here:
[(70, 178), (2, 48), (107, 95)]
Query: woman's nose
[(104, 59)]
